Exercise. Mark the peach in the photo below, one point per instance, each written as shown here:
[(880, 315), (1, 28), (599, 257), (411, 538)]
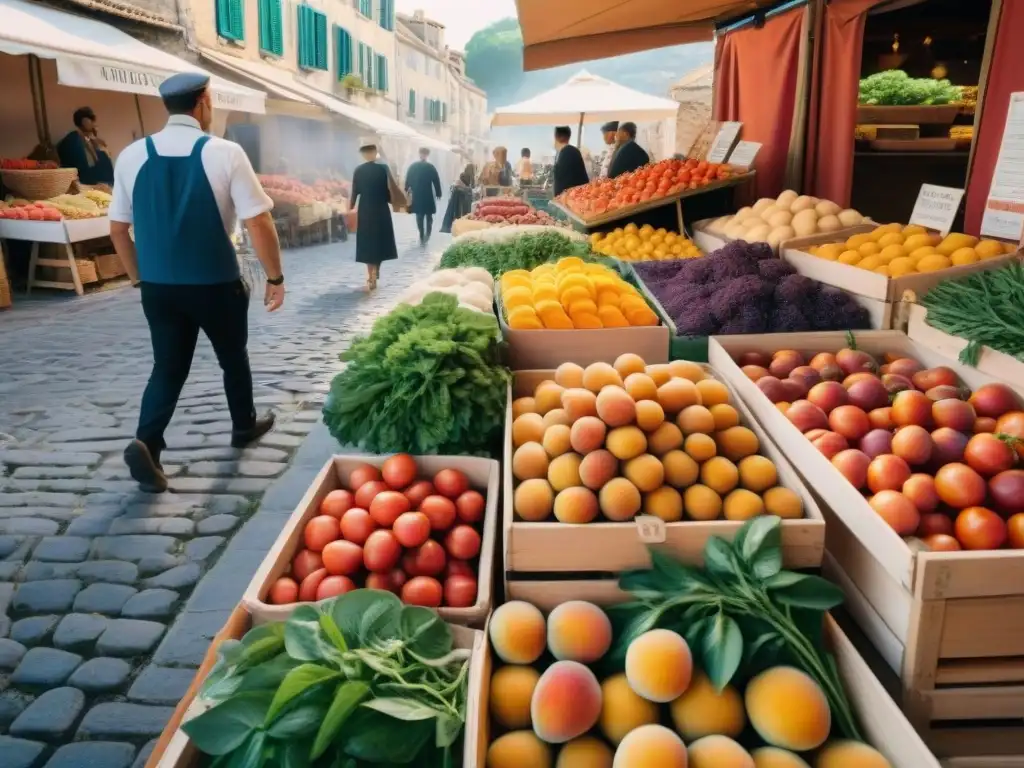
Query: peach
[(737, 443), (622, 710), (851, 754), (556, 416), (684, 369), (576, 505), (696, 419), (640, 386), (676, 394), (596, 376), (665, 438), (615, 407), (579, 631), (700, 447), (659, 373), (755, 372), (511, 692), (741, 505), (757, 473), (718, 752), (518, 632), (557, 440), (587, 434), (528, 428), (702, 710), (578, 403), (664, 502), (548, 397), (828, 395), (619, 499), (712, 392), (649, 746), (628, 363), (585, 752), (806, 416), (773, 757), (649, 415), (719, 474), (788, 709), (725, 416), (569, 375), (701, 503), (533, 500), (629, 442), (529, 461), (523, 405), (564, 471), (518, 748), (566, 702), (645, 472), (597, 468), (659, 665), (681, 471), (783, 502)]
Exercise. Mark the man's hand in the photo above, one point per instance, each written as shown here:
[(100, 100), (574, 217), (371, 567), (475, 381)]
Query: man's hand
[(274, 297)]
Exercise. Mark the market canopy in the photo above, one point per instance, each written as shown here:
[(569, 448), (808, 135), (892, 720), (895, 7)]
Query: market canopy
[(91, 54), (581, 30), (594, 98)]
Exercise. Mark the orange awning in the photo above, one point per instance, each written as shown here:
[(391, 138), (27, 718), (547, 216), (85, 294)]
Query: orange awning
[(580, 30)]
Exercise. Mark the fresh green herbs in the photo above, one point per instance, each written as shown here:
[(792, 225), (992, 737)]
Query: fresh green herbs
[(894, 87), (740, 613), (358, 680), (427, 380), (524, 252)]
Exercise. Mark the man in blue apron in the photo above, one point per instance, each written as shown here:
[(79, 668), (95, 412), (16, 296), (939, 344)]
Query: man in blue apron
[(182, 190)]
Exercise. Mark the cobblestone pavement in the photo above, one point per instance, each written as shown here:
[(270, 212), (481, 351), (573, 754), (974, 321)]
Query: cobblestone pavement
[(104, 609)]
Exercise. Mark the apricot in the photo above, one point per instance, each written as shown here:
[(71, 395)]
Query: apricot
[(533, 500), (511, 693), (696, 419), (719, 474), (659, 665), (725, 416), (665, 438), (649, 415), (587, 434), (640, 386), (773, 757), (784, 503), (548, 397), (664, 502), (530, 461), (737, 443), (629, 363), (518, 632), (757, 473), (556, 416), (527, 428), (578, 403), (597, 468), (741, 505), (569, 375), (585, 752), (712, 392), (649, 746), (622, 710), (575, 505), (518, 748), (579, 631), (645, 472), (676, 394), (564, 471), (523, 405), (684, 369), (702, 710), (619, 499), (701, 503), (615, 407), (566, 702), (850, 754), (680, 470), (596, 376), (718, 752), (700, 447), (557, 440), (628, 442), (659, 373), (788, 709)]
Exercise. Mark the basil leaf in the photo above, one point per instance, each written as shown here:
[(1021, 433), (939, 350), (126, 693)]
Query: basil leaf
[(334, 634), (303, 638), (402, 709), (757, 542), (346, 699), (295, 754), (268, 675), (349, 610), (382, 620), (643, 585), (424, 632), (768, 644), (297, 682), (300, 721), (376, 738), (806, 592), (225, 727), (719, 560), (252, 755), (722, 650), (446, 731)]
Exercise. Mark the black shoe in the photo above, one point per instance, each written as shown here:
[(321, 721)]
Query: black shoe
[(240, 439), (145, 470)]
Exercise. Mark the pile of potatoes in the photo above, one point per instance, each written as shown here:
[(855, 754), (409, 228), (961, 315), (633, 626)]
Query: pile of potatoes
[(789, 216), (661, 712)]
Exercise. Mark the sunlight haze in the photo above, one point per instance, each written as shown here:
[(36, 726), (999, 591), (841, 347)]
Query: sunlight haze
[(461, 18)]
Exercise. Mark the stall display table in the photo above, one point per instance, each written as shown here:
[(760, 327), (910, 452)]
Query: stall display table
[(66, 232)]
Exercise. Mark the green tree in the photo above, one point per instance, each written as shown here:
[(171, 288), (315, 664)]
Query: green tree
[(494, 57)]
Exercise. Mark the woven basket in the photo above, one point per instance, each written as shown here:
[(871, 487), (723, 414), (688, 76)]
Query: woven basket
[(5, 286), (40, 184)]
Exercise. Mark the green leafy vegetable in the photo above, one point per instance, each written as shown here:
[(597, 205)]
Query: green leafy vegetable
[(524, 252), (894, 87), (427, 380)]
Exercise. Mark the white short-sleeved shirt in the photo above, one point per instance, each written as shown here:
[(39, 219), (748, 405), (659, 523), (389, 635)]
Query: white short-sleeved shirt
[(237, 190)]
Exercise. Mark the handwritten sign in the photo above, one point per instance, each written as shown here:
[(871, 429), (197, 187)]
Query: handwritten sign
[(1002, 225), (936, 207), (744, 153), (650, 529), (723, 142), (1004, 209)]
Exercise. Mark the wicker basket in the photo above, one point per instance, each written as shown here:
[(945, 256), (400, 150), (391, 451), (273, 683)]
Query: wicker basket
[(40, 184), (5, 286), (108, 265)]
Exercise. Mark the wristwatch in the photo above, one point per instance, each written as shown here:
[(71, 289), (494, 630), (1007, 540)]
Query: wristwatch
[(276, 280)]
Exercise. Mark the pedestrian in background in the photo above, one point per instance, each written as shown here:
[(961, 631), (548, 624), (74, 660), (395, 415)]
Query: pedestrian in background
[(375, 231), (610, 133), (570, 170), (460, 202), (424, 188), (182, 189), (524, 170), (84, 150), (630, 155)]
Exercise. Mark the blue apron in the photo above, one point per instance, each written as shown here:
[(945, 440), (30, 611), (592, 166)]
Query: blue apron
[(179, 233)]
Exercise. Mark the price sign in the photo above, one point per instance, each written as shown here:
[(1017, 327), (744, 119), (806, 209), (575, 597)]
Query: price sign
[(650, 529), (723, 142), (1002, 224), (744, 153), (936, 207), (1004, 208)]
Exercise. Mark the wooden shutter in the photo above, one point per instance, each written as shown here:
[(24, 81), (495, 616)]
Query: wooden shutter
[(387, 14), (444, 112), (271, 33), (366, 8), (305, 36), (231, 19), (412, 102), (382, 73), (343, 51), (320, 40)]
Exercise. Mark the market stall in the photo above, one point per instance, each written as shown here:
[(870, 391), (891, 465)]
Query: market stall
[(309, 213)]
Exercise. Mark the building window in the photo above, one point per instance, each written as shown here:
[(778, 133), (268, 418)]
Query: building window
[(381, 67), (387, 15), (231, 19), (412, 103), (271, 35), (366, 8), (312, 38), (343, 51), (444, 112), (367, 65)]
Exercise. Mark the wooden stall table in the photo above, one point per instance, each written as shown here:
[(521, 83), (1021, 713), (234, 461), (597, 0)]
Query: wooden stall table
[(68, 233)]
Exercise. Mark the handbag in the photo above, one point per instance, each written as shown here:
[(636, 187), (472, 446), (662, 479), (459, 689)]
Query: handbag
[(399, 202)]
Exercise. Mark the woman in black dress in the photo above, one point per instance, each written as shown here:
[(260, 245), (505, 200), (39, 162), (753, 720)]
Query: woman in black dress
[(375, 231)]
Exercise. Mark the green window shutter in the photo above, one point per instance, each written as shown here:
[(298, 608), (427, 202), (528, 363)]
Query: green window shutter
[(231, 19), (271, 34), (412, 102), (303, 14), (320, 40), (382, 73), (371, 74), (387, 14), (362, 63), (343, 51), (366, 8)]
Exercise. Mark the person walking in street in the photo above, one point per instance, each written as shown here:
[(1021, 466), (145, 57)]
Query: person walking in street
[(460, 202), (524, 169), (375, 231), (83, 149), (424, 188), (570, 170), (182, 190), (630, 155), (610, 133)]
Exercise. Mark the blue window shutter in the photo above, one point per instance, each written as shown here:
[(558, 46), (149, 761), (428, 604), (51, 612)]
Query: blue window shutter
[(387, 14), (366, 8), (343, 51), (303, 12), (271, 29), (320, 40), (412, 102), (231, 19), (444, 112)]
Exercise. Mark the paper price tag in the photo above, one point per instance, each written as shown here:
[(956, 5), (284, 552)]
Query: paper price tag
[(744, 153), (936, 207), (650, 529), (723, 142)]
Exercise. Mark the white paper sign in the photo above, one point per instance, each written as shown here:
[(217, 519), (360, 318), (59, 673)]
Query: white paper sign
[(1004, 209), (723, 142), (1002, 225), (744, 153), (936, 207), (650, 529)]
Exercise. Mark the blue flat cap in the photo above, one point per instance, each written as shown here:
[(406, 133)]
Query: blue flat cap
[(611, 125), (183, 83)]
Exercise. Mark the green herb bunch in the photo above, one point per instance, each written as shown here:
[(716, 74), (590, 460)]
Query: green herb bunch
[(428, 379), (894, 87), (358, 680), (740, 614), (525, 252), (986, 308)]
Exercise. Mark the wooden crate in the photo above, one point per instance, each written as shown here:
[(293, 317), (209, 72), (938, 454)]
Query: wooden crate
[(483, 474), (108, 265), (553, 550), (950, 623), (86, 272)]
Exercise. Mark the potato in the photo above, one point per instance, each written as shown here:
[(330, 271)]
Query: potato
[(785, 200), (780, 219), (827, 208), (751, 222), (803, 203), (763, 203), (742, 213), (758, 234), (717, 227), (734, 231), (805, 223), (850, 218), (780, 235), (829, 224), (771, 210)]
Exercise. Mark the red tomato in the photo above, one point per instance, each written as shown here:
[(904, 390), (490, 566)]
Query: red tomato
[(934, 522), (305, 563), (440, 511), (462, 542), (357, 525), (361, 475), (460, 591), (337, 503), (418, 491), (321, 531), (380, 581), (368, 492), (399, 470), (381, 552), (887, 473), (428, 559), (412, 529), (451, 483), (988, 455), (942, 542), (897, 510), (960, 487), (458, 568), (310, 584), (980, 528), (284, 591), (422, 590), (333, 586), (387, 506), (343, 558), (1015, 530), (470, 507)]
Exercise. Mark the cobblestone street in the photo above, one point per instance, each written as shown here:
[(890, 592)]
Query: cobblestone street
[(110, 596)]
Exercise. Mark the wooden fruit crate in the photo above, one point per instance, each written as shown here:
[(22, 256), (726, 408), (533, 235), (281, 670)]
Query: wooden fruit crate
[(108, 265), (951, 624), (543, 554)]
